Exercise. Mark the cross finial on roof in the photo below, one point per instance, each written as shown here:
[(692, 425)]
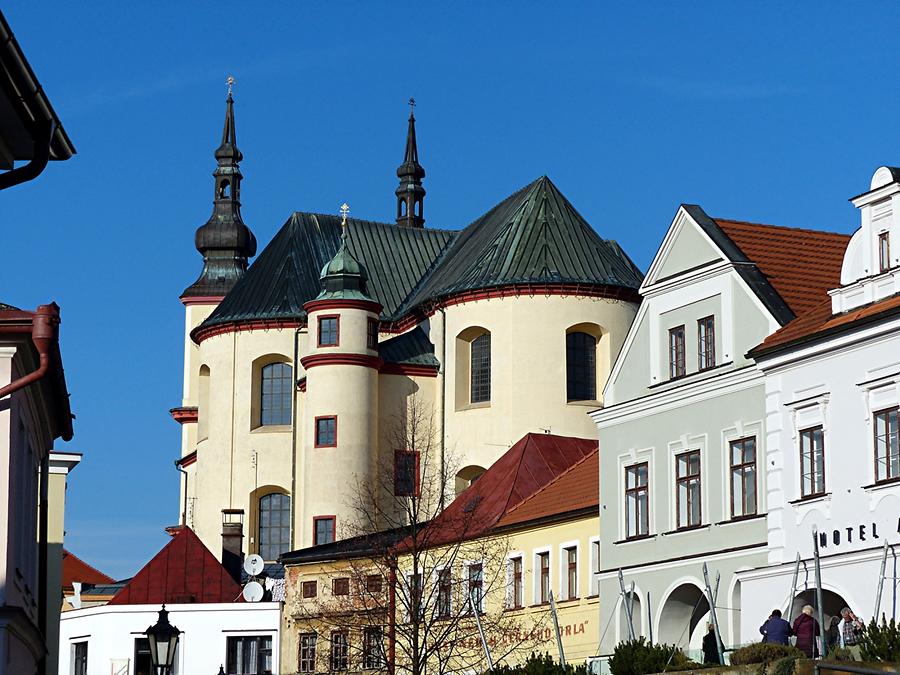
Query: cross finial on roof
[(412, 105), (345, 211), (230, 82)]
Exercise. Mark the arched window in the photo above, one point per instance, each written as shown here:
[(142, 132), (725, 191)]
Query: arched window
[(581, 367), (275, 394), (203, 404), (274, 525), (480, 369)]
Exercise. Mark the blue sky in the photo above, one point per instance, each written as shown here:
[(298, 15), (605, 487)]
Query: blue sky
[(770, 112)]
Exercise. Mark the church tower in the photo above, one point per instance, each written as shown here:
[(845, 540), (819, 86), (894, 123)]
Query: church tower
[(410, 193)]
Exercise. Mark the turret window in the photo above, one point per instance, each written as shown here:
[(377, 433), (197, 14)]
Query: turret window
[(481, 369), (581, 367), (275, 394), (372, 334), (326, 431), (274, 525), (329, 331)]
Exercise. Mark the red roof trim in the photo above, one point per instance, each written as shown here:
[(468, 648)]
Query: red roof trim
[(330, 303), (184, 414), (187, 460), (200, 334), (201, 300), (409, 370), (364, 360)]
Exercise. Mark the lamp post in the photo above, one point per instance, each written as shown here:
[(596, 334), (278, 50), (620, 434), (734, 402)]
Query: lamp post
[(163, 639)]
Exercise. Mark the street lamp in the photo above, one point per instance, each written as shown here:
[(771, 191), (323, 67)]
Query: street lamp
[(163, 639)]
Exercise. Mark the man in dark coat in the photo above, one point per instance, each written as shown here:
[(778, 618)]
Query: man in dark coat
[(711, 647), (806, 628), (776, 630)]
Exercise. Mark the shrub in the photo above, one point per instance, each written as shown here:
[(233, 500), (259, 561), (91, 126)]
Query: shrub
[(540, 664), (881, 642), (639, 657), (840, 654), (763, 652), (783, 666)]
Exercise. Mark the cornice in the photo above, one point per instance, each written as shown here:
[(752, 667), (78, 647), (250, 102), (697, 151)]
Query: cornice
[(332, 303), (201, 333), (314, 360), (184, 414)]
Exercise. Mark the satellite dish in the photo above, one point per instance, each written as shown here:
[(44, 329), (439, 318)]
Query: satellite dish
[(253, 592), (254, 564)]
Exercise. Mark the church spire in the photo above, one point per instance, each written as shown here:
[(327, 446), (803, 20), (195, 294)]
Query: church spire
[(410, 193), (225, 241)]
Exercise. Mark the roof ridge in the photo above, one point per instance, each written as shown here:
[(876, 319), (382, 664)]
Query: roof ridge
[(515, 479), (789, 228), (67, 552), (541, 489), (418, 231)]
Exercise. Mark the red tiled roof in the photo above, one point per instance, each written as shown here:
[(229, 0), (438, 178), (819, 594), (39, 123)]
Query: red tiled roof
[(576, 489), (529, 465), (183, 571), (800, 264), (75, 569)]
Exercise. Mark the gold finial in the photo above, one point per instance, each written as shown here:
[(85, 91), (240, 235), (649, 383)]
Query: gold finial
[(230, 82), (345, 210)]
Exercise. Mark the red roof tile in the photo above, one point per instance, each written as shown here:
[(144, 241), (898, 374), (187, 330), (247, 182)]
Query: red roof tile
[(800, 264), (576, 489), (75, 569), (183, 571), (529, 465)]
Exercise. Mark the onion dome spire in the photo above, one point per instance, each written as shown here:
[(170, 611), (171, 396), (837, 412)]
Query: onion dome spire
[(344, 277), (410, 193), (225, 242)]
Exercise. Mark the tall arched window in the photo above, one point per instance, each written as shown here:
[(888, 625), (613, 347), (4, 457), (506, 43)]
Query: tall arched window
[(274, 525), (480, 377), (581, 367), (275, 394)]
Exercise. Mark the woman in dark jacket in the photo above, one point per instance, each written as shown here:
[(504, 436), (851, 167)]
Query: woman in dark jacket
[(806, 628), (833, 634)]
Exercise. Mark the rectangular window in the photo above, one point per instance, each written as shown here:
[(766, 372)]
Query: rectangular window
[(687, 488), (372, 334), (637, 500), (543, 560), (373, 648), (340, 648), (406, 473), (676, 352), (416, 608), (595, 568), (329, 331), (309, 589), (884, 251), (476, 586), (516, 583), (743, 477), (326, 431), (812, 462), (887, 445), (706, 343), (306, 658), (571, 573), (480, 371), (249, 655), (373, 584), (444, 591), (323, 526), (80, 658), (340, 586)]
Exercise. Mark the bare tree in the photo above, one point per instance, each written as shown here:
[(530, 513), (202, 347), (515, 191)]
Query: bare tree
[(413, 574)]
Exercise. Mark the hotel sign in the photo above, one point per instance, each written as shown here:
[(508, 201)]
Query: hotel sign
[(861, 533)]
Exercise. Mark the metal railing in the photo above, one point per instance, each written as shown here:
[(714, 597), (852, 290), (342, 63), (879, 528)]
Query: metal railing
[(840, 667)]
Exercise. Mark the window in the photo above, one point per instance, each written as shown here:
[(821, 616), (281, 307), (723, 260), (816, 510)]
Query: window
[(476, 587), (309, 589), (326, 432), (743, 477), (203, 404), (143, 665), (595, 567), (812, 462), (274, 525), (884, 251), (306, 658), (687, 488), (79, 658), (581, 367), (340, 586), (414, 582), (323, 526), (444, 590), (374, 584), (339, 651), (637, 501), (543, 560), (887, 445), (515, 581), (373, 648), (250, 655), (481, 369), (571, 556), (706, 343), (275, 394), (372, 334), (676, 352), (329, 331), (406, 473)]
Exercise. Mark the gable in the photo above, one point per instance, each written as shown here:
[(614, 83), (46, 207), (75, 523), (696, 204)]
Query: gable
[(688, 250)]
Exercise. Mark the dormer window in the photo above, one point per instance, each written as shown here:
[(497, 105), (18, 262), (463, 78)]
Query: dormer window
[(884, 252), (676, 352)]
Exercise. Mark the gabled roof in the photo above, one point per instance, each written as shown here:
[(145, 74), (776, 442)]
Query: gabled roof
[(184, 571), (574, 490), (410, 348), (528, 466), (74, 569)]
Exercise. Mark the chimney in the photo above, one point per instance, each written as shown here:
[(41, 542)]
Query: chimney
[(233, 541)]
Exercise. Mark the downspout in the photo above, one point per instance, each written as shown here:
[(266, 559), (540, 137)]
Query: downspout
[(43, 555), (40, 157), (43, 334), (443, 405), (294, 439), (184, 499), (392, 612)]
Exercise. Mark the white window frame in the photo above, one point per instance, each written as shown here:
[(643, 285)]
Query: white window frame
[(594, 571), (878, 395), (807, 413), (628, 459), (688, 444), (435, 584), (535, 562), (740, 431), (565, 592), (520, 555), (466, 565)]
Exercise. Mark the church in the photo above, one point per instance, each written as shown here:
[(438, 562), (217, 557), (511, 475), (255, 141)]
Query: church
[(304, 369)]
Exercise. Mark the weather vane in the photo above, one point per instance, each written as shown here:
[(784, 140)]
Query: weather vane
[(345, 209), (230, 82), (412, 104)]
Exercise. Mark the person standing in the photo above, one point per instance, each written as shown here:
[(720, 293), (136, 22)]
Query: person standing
[(833, 634), (850, 630), (806, 628), (711, 646), (776, 630)]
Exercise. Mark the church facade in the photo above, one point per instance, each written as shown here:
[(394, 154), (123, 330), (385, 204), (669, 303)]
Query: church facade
[(306, 371)]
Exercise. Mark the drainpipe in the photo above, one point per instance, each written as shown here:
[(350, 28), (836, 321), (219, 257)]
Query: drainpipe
[(443, 404), (294, 439), (42, 138), (184, 499), (43, 334), (43, 555), (392, 612)]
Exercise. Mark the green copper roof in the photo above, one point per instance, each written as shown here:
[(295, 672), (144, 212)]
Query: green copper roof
[(343, 277), (412, 347)]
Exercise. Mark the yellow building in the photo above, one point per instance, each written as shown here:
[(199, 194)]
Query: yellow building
[(527, 528)]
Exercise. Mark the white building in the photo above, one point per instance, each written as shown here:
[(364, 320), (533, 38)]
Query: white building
[(832, 380)]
